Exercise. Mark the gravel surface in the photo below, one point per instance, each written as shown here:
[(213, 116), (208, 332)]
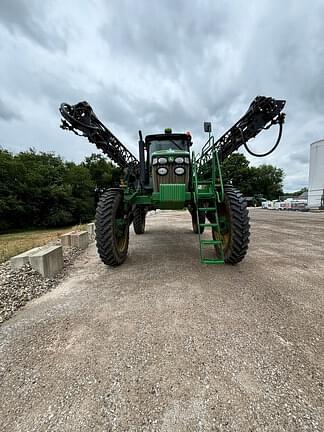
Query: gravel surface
[(19, 286), (164, 343)]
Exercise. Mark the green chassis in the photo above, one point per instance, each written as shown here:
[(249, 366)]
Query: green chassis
[(206, 192), (202, 187)]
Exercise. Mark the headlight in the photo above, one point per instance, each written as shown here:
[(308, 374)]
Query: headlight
[(163, 160), (162, 171), (154, 161), (178, 160), (179, 171), (187, 160)]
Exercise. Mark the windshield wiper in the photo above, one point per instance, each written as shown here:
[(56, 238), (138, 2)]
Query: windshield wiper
[(173, 142)]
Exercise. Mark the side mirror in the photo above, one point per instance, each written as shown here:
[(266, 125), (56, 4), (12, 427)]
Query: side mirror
[(207, 127)]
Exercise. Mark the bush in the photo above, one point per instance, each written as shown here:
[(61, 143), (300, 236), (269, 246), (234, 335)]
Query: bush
[(39, 189)]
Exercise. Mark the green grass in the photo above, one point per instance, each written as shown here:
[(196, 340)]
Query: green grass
[(15, 243)]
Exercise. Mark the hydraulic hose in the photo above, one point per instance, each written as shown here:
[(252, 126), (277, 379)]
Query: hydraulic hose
[(280, 122)]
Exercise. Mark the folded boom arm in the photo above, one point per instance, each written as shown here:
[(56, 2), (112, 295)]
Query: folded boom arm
[(262, 114), (80, 117)]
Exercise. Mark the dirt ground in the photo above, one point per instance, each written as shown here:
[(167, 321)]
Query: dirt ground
[(164, 343)]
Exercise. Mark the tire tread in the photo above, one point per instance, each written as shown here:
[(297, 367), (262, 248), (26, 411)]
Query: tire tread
[(240, 226), (104, 229)]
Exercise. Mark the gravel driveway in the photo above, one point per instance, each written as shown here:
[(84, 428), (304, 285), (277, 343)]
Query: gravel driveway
[(165, 343)]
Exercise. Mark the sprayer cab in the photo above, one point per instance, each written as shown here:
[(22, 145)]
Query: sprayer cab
[(166, 159)]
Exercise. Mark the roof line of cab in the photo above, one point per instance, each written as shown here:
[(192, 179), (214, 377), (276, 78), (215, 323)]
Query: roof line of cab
[(161, 137)]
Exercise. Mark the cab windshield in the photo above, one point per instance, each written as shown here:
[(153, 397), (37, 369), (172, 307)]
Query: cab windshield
[(168, 144)]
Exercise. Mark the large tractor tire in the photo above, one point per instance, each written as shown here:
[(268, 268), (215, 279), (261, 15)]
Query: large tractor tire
[(235, 232), (139, 220), (112, 228), (195, 226)]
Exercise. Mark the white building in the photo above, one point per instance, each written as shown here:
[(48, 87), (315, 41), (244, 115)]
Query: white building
[(316, 174)]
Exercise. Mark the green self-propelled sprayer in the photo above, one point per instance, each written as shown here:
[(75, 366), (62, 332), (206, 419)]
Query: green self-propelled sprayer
[(169, 176)]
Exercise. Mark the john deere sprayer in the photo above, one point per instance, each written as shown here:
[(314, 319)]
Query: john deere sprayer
[(168, 175)]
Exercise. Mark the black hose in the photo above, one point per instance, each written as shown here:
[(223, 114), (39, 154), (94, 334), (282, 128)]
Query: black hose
[(268, 152)]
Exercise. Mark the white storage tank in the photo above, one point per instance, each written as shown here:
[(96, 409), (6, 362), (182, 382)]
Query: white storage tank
[(316, 174)]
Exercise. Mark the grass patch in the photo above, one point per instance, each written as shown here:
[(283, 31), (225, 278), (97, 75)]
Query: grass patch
[(15, 243)]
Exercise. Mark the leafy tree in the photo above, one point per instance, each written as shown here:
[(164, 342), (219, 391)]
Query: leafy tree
[(264, 180), (12, 179), (103, 173), (43, 175), (40, 189), (81, 189), (236, 170), (267, 180)]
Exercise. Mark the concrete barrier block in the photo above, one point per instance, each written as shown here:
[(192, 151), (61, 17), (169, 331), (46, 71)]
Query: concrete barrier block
[(22, 259), (80, 239), (48, 260), (66, 239), (91, 231)]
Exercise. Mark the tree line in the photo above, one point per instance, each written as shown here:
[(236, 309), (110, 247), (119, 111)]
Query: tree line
[(264, 181), (40, 189)]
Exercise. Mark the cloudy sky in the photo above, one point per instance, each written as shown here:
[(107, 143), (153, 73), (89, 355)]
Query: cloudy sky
[(162, 63)]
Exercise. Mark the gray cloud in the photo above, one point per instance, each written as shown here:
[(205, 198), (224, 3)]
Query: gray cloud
[(300, 157), (148, 65), (7, 113), (26, 17)]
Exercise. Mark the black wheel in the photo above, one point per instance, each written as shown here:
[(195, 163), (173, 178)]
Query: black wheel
[(234, 226), (112, 228), (139, 220), (195, 225)]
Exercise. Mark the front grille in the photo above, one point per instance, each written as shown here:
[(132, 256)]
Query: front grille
[(170, 177)]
